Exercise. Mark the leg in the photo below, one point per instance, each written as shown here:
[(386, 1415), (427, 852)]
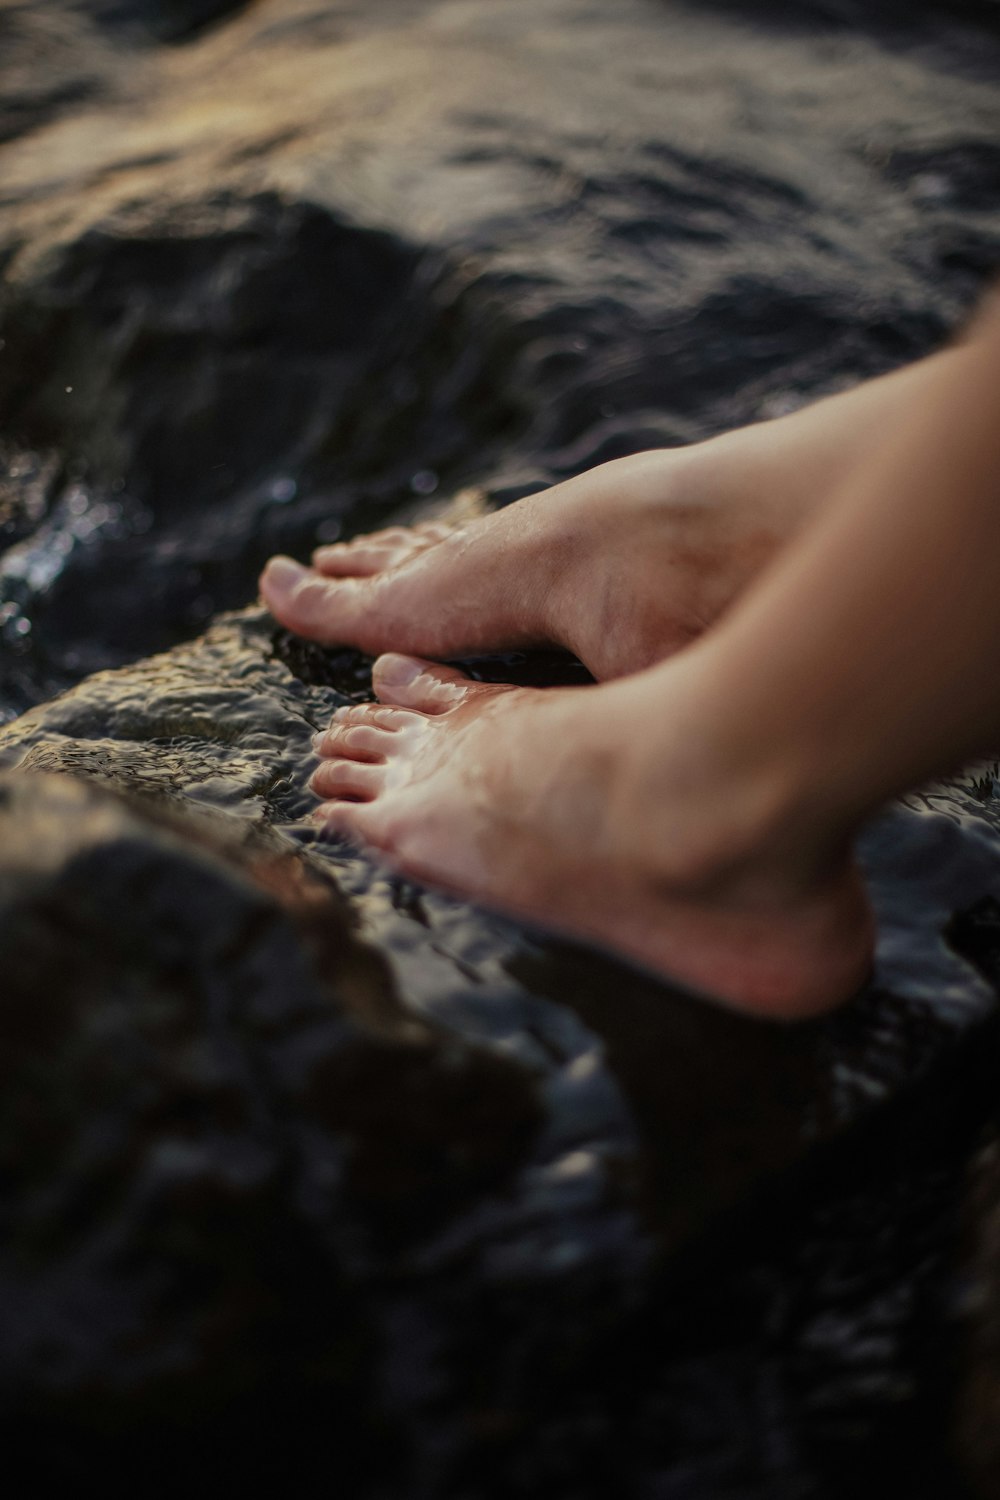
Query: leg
[(622, 565), (698, 816)]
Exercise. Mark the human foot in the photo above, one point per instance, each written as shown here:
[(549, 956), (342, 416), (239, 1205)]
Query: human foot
[(621, 565), (533, 802)]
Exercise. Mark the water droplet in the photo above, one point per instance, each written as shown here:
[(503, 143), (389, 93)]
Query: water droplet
[(424, 482), (780, 404), (283, 490), (329, 531), (22, 626), (932, 187), (69, 390)]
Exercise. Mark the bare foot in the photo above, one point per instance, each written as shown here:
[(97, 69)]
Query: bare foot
[(536, 803), (621, 565)]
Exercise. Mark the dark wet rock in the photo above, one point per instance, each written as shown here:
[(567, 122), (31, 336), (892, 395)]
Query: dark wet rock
[(977, 1416), (522, 1215), (218, 1135), (50, 63), (976, 1410), (26, 481), (319, 1166), (164, 20)]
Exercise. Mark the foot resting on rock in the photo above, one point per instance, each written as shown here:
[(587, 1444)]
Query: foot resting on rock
[(696, 815), (536, 803), (614, 566), (621, 565)]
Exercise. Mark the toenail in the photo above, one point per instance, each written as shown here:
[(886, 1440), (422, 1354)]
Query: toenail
[(397, 671), (284, 572), (318, 741)]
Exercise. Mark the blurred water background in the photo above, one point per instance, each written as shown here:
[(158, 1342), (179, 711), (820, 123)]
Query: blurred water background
[(273, 273)]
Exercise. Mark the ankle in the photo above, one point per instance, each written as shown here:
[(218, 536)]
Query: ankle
[(722, 812)]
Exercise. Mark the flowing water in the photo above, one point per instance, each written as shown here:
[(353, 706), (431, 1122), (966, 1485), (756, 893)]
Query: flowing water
[(273, 273)]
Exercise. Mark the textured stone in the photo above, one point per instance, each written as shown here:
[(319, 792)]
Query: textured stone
[(217, 1130), (531, 1162), (165, 20), (306, 1164)]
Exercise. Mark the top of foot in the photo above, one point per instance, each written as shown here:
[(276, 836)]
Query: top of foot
[(620, 566)]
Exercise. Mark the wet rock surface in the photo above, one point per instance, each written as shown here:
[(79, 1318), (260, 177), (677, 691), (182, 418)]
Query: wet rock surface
[(524, 1215), (302, 1163)]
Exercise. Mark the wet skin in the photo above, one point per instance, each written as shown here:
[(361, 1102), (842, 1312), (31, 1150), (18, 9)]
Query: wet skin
[(538, 802), (622, 565), (695, 810)]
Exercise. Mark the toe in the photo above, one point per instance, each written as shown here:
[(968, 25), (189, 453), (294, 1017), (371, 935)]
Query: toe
[(281, 576), (325, 610), (356, 821), (377, 715), (356, 742), (347, 778), (426, 686)]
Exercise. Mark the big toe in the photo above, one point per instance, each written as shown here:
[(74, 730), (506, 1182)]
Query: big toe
[(308, 604), (427, 686)]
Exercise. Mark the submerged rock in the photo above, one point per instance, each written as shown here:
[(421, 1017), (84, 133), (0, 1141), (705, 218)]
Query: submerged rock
[(302, 1163), (517, 1214), (165, 20), (977, 1293), (218, 1134)]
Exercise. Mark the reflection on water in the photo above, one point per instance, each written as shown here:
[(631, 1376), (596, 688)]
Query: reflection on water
[(269, 282)]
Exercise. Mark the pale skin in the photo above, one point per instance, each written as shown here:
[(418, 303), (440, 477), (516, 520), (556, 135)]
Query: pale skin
[(789, 624)]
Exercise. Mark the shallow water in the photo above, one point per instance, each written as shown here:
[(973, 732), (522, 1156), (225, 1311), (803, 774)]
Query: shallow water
[(278, 279)]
